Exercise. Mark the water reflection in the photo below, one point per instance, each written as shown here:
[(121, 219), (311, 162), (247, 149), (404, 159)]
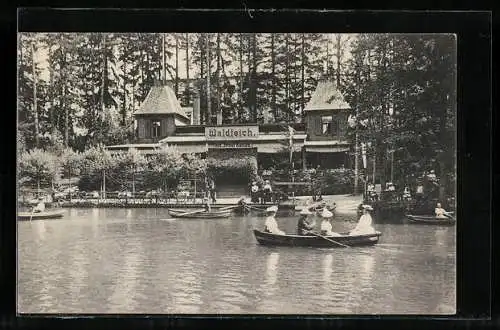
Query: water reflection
[(40, 229), (327, 268), (121, 261), (272, 270), (123, 298)]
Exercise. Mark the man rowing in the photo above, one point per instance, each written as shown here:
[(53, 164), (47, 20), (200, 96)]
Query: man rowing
[(364, 226), (326, 225), (306, 222), (271, 226)]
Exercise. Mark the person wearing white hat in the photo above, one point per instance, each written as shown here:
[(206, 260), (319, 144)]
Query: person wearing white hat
[(326, 225), (306, 222), (271, 226), (364, 226)]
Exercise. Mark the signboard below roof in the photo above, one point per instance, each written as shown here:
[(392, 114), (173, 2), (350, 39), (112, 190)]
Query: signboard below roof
[(231, 133)]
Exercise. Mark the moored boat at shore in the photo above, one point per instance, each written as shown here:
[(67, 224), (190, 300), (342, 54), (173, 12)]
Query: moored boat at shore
[(269, 239), (200, 214), (431, 220), (49, 214)]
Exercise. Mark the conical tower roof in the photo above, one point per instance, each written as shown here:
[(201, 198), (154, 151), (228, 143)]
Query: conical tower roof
[(161, 99), (326, 97)]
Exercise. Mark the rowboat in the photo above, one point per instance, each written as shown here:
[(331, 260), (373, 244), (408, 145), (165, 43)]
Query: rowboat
[(50, 214), (269, 239), (193, 214), (431, 220)]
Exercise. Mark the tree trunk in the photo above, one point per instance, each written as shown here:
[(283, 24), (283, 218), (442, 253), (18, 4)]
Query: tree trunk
[(103, 84), (287, 76), (176, 64), (302, 78), (209, 98), (339, 55), (188, 96), (35, 108), (273, 80), (218, 92), (254, 78), (124, 98), (164, 59), (240, 110), (63, 93)]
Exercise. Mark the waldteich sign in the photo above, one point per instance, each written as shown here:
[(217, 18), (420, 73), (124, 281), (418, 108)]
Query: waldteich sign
[(232, 132)]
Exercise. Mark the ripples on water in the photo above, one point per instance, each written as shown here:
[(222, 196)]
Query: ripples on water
[(139, 261)]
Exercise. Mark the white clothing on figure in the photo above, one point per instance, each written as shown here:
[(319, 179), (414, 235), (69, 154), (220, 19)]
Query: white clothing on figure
[(364, 226), (440, 212), (326, 229), (267, 186), (40, 207), (272, 226)]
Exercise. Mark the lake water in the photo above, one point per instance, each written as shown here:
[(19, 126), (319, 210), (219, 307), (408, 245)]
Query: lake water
[(140, 261)]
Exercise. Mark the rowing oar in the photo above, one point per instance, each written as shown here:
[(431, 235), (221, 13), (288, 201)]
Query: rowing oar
[(228, 207), (448, 214), (330, 240), (32, 211), (189, 213)]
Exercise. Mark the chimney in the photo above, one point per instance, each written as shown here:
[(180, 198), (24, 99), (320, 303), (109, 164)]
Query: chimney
[(196, 108)]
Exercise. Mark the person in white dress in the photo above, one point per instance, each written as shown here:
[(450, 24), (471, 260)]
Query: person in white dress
[(40, 207), (439, 211), (364, 226), (326, 225), (271, 226)]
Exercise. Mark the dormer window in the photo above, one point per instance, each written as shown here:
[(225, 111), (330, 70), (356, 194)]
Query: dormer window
[(155, 128), (329, 126)]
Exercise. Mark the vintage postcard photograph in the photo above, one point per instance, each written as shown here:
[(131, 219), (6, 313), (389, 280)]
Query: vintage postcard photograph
[(236, 173)]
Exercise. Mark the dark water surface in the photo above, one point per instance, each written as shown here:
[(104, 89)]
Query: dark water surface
[(139, 261)]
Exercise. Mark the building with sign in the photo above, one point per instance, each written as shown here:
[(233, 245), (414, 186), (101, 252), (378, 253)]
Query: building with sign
[(319, 141)]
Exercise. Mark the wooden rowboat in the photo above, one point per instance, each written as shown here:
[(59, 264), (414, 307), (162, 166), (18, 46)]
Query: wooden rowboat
[(193, 214), (50, 214), (431, 220), (316, 241)]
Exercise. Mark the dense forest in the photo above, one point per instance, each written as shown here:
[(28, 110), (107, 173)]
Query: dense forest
[(79, 91)]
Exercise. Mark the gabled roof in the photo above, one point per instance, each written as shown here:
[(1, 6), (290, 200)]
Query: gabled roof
[(326, 97), (161, 99)]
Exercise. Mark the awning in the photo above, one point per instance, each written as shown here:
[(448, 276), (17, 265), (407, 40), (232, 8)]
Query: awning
[(327, 149), (272, 148), (190, 148)]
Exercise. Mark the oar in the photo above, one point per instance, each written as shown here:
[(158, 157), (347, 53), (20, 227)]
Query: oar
[(32, 211), (228, 207), (189, 213), (330, 240), (448, 215)]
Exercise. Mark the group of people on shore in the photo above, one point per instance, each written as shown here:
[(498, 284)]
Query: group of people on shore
[(307, 223), (262, 194)]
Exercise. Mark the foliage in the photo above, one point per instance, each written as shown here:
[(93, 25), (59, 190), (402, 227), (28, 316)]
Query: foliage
[(241, 168), (335, 181), (403, 88), (70, 163), (38, 166)]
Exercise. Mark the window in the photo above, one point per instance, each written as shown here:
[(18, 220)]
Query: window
[(155, 128), (329, 126)]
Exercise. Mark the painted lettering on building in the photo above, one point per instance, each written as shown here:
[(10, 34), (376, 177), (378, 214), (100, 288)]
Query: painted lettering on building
[(232, 132)]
